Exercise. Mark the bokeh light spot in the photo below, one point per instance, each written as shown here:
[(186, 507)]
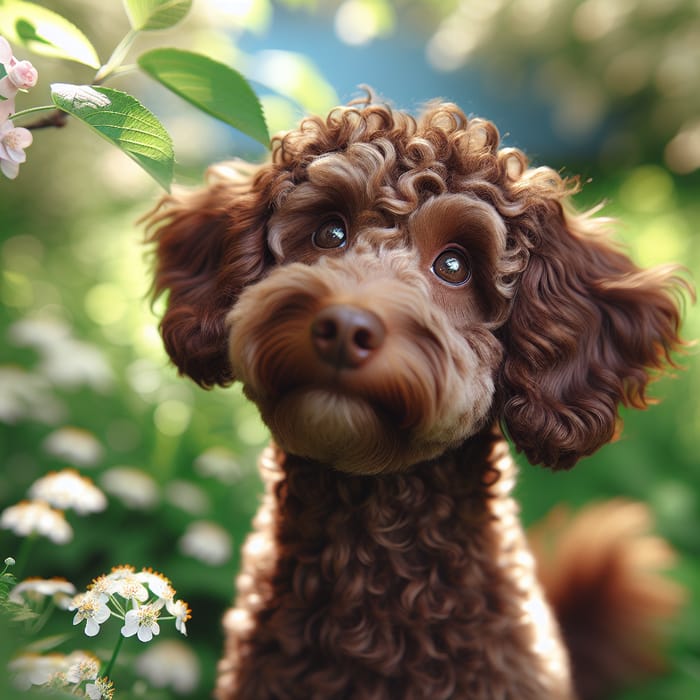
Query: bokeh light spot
[(251, 430), (357, 22), (172, 417), (105, 304), (662, 239), (648, 189)]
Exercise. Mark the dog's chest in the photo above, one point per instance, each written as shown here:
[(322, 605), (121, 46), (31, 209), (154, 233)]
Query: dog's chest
[(409, 585)]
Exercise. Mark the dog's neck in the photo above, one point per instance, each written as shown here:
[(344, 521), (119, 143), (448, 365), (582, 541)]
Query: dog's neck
[(440, 545), (468, 475)]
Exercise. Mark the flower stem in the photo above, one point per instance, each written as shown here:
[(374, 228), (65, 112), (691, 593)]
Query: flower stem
[(31, 110), (108, 669), (115, 60), (23, 555)]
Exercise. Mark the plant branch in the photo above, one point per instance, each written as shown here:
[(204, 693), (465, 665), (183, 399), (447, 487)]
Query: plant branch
[(56, 118)]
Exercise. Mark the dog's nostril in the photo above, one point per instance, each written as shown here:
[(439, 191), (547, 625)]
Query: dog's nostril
[(325, 329), (346, 336), (363, 339)]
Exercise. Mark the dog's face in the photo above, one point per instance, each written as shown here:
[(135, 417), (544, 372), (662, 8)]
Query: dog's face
[(368, 345), (384, 289)]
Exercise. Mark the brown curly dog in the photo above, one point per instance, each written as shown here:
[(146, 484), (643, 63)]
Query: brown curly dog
[(390, 291)]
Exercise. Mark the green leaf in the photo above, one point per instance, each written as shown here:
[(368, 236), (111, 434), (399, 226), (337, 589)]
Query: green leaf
[(45, 32), (211, 86), (123, 121), (147, 15)]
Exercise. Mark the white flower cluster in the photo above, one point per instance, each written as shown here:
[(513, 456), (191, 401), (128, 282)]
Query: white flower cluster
[(54, 670), (56, 490), (136, 598), (36, 590), (16, 76)]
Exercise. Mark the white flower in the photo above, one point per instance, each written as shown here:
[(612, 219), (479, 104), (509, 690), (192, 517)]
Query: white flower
[(130, 588), (68, 489), (13, 141), (169, 663), (60, 590), (66, 361), (39, 332), (74, 363), (208, 542), (219, 463), (179, 610), (143, 621), (74, 445), (29, 517), (187, 496), (158, 584), (101, 689), (32, 669), (82, 666), (91, 607), (24, 395), (132, 486)]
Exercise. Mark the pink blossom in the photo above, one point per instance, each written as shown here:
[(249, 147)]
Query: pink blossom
[(21, 75), (5, 51), (13, 141)]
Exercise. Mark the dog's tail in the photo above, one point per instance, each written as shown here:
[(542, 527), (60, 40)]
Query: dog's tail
[(602, 573)]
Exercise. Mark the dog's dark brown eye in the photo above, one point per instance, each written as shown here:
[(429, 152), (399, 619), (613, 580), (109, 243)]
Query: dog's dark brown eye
[(452, 266), (330, 235)]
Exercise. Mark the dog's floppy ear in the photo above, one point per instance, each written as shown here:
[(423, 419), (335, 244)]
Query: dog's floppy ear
[(586, 330), (209, 244)]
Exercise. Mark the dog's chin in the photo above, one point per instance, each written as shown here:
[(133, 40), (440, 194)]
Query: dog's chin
[(342, 431)]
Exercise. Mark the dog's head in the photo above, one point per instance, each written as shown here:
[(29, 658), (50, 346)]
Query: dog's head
[(386, 287)]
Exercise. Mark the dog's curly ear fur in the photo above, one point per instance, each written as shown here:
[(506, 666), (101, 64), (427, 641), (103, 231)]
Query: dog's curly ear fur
[(209, 244), (588, 329)]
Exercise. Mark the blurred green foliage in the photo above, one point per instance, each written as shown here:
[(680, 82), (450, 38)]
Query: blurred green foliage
[(80, 349)]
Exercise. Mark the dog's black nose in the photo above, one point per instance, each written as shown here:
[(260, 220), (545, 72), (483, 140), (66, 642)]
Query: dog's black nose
[(345, 336)]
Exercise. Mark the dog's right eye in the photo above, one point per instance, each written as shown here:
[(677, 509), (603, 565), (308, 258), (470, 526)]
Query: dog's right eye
[(452, 266), (330, 234)]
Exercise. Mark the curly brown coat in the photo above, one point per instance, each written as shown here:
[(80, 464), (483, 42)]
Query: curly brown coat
[(390, 290)]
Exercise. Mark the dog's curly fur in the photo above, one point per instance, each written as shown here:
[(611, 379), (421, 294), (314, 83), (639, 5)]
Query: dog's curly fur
[(389, 290)]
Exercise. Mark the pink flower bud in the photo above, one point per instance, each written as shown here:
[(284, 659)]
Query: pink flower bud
[(23, 75)]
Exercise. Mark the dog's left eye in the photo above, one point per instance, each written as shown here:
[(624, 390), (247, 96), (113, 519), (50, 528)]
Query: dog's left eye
[(330, 235), (452, 266)]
